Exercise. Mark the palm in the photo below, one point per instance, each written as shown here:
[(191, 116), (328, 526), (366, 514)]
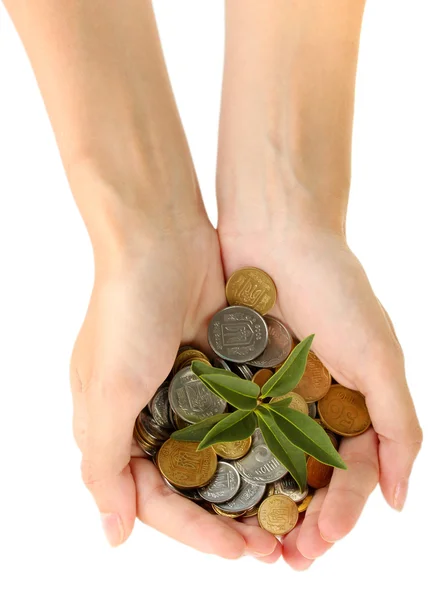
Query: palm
[(139, 314), (323, 289)]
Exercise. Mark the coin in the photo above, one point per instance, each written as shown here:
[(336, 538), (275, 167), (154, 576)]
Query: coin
[(188, 355), (305, 503), (245, 372), (159, 407), (219, 363), (278, 514), (297, 402), (233, 450), (248, 495), (287, 485), (191, 400), (316, 381), (237, 334), (260, 465), (318, 474), (251, 287), (231, 515), (191, 494), (184, 466), (261, 376), (251, 512), (344, 411), (223, 486), (278, 347), (312, 409), (149, 426)]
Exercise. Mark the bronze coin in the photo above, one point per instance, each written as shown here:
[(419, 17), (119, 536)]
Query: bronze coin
[(251, 287), (278, 514), (187, 356), (344, 411), (184, 466), (316, 381), (233, 450), (262, 376), (318, 474)]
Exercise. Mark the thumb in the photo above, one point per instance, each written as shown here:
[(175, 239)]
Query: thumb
[(395, 421), (103, 429)]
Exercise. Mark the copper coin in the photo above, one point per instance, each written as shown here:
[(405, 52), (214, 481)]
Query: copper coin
[(187, 356), (344, 411), (316, 381), (305, 503), (262, 376), (251, 287), (318, 474), (233, 450), (297, 402), (184, 466), (278, 514)]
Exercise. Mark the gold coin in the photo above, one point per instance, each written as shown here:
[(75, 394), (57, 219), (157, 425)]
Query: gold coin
[(262, 376), (316, 381), (184, 466), (232, 515), (233, 450), (344, 411), (278, 514), (187, 356), (188, 362), (251, 512), (297, 402), (305, 503), (251, 287), (179, 422)]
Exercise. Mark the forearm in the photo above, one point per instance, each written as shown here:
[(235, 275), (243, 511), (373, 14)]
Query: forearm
[(287, 107), (101, 71)]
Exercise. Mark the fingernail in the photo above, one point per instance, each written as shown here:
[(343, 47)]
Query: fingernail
[(400, 494), (113, 529)]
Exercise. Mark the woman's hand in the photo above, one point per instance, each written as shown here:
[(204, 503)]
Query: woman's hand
[(323, 289), (143, 306)]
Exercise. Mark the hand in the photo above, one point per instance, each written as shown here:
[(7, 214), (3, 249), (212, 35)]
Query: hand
[(323, 289), (143, 306)]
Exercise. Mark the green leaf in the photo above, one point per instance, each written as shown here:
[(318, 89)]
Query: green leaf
[(200, 368), (289, 375), (307, 435), (283, 402), (289, 455), (196, 432), (238, 425), (241, 393)]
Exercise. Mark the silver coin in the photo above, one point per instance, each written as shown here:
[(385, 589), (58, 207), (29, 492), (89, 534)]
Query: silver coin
[(223, 486), (238, 334), (288, 486), (245, 372), (190, 494), (191, 399), (257, 437), (219, 363), (260, 465), (151, 427), (312, 409), (159, 407), (248, 495), (278, 348)]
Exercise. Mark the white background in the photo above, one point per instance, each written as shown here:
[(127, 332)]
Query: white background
[(50, 537)]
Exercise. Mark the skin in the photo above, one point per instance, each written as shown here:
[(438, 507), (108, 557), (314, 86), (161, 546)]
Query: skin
[(283, 183)]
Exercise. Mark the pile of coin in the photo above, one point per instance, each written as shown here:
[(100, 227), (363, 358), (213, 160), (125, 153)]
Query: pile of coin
[(243, 478)]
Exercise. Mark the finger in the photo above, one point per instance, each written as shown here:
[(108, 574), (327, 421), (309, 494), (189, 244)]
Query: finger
[(104, 435), (291, 554), (394, 418), (259, 542), (181, 519), (310, 542), (349, 490)]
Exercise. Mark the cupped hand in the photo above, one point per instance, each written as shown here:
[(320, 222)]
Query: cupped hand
[(144, 304), (323, 289)]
